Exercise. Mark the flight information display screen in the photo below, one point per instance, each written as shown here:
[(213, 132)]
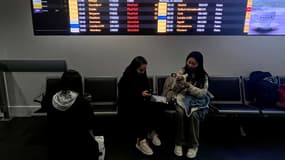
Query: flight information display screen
[(158, 17)]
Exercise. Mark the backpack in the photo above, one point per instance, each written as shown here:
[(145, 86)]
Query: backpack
[(263, 88)]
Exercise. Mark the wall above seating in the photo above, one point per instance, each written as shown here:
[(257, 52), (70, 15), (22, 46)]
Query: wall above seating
[(108, 55)]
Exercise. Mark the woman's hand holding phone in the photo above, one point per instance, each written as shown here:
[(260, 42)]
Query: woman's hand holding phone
[(146, 93)]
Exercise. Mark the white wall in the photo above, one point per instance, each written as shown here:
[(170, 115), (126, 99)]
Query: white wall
[(109, 55)]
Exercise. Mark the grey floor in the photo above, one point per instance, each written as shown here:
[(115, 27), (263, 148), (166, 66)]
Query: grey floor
[(26, 139)]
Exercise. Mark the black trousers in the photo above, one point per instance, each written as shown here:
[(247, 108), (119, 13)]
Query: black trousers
[(142, 118)]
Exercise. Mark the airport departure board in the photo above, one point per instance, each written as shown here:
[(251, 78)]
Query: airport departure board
[(158, 17)]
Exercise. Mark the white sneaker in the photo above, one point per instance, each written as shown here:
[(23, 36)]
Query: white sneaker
[(192, 152), (178, 150), (144, 147), (155, 140)]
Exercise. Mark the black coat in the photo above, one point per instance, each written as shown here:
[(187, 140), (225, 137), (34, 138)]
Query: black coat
[(69, 135), (130, 88)]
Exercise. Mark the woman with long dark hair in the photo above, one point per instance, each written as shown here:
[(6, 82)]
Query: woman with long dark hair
[(135, 105), (191, 97)]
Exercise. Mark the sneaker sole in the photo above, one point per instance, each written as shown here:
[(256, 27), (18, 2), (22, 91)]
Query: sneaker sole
[(191, 157), (178, 155), (149, 154), (156, 144)]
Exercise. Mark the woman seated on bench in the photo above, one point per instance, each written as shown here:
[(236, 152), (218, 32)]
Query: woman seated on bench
[(135, 105), (70, 119), (190, 91)]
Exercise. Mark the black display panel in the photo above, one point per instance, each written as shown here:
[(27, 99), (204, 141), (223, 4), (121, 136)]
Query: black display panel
[(158, 17)]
